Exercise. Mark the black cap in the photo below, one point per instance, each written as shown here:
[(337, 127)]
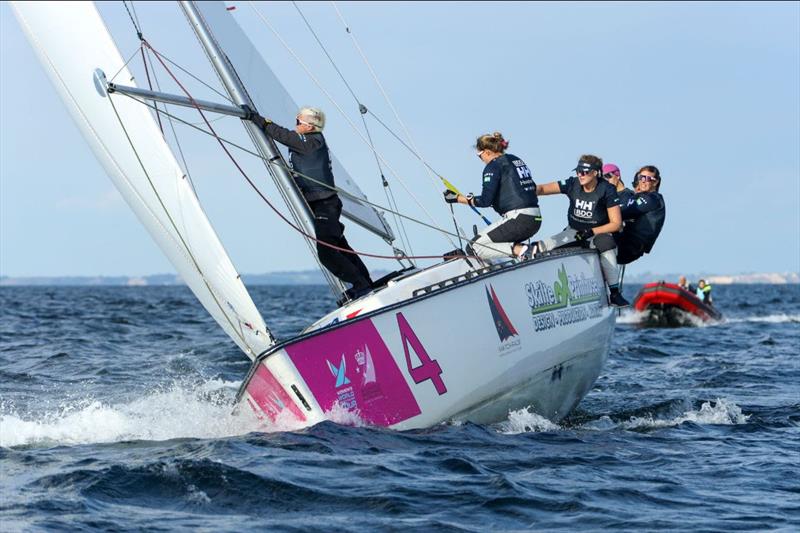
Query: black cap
[(585, 165)]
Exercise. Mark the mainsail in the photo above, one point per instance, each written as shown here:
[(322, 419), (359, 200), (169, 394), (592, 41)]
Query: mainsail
[(75, 48), (272, 100)]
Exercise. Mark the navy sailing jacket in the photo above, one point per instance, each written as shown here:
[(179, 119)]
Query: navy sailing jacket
[(309, 156), (644, 215), (507, 185)]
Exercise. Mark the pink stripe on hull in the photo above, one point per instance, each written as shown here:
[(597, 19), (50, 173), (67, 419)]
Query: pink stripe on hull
[(269, 395)]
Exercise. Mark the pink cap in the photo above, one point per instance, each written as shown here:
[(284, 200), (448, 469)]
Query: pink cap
[(610, 168)]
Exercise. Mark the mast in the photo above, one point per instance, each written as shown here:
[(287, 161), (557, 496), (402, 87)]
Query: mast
[(265, 145)]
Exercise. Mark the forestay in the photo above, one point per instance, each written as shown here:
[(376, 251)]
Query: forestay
[(72, 43), (273, 101)]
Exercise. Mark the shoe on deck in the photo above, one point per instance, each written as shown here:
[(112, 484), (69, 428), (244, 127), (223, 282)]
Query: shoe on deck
[(617, 300)]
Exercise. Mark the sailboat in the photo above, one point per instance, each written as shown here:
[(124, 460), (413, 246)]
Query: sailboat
[(529, 334)]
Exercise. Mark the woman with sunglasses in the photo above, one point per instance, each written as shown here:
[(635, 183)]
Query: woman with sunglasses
[(313, 174), (508, 187), (593, 217), (643, 213)]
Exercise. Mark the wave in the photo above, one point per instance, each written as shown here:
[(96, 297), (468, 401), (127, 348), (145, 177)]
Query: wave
[(716, 412), (719, 412), (631, 317), (203, 410), (780, 318), (526, 421)]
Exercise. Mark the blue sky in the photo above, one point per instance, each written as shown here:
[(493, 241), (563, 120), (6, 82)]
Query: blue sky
[(708, 92)]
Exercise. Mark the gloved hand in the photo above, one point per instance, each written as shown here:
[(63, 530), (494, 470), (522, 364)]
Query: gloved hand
[(450, 197), (255, 118), (584, 234)]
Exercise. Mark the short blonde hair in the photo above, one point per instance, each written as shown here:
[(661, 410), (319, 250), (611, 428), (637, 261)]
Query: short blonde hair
[(314, 115)]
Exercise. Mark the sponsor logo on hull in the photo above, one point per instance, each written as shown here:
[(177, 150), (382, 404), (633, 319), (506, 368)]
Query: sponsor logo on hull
[(509, 337), (568, 300), (352, 367)]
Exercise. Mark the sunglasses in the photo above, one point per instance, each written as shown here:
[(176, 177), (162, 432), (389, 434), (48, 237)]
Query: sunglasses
[(648, 178), (298, 122), (584, 172), (610, 175), (480, 154)]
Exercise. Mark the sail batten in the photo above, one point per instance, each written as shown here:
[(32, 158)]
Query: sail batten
[(128, 143)]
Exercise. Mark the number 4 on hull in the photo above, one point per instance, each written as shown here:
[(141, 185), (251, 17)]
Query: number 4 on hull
[(429, 369)]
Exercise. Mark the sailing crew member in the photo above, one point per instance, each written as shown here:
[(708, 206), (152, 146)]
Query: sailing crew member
[(593, 216), (508, 187), (643, 213), (612, 174), (312, 172)]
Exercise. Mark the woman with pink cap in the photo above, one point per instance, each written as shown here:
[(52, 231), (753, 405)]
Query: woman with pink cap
[(612, 175)]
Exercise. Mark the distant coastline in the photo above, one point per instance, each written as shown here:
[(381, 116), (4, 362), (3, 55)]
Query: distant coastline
[(314, 277)]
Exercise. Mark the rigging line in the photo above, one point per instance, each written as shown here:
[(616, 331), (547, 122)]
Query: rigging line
[(333, 101), (180, 236), (339, 108), (300, 174), (286, 167), (413, 150), (393, 203), (135, 14), (261, 194), (444, 181), (238, 331), (145, 60), (150, 84), (134, 22), (199, 80), (172, 127), (387, 191), (380, 86), (126, 64), (362, 109), (325, 50)]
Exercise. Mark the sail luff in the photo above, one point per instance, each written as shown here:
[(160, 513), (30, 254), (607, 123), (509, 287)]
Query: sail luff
[(266, 146), (272, 99), (127, 142)]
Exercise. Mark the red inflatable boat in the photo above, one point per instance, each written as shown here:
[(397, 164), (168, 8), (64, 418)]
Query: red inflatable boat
[(666, 304)]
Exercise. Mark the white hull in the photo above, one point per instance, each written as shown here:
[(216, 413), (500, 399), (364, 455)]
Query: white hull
[(535, 334)]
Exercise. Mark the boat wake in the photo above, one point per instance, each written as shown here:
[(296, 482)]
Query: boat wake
[(205, 411), (716, 412), (643, 318), (180, 411), (780, 318), (635, 318)]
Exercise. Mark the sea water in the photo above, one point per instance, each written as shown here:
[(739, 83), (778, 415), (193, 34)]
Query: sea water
[(115, 414)]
